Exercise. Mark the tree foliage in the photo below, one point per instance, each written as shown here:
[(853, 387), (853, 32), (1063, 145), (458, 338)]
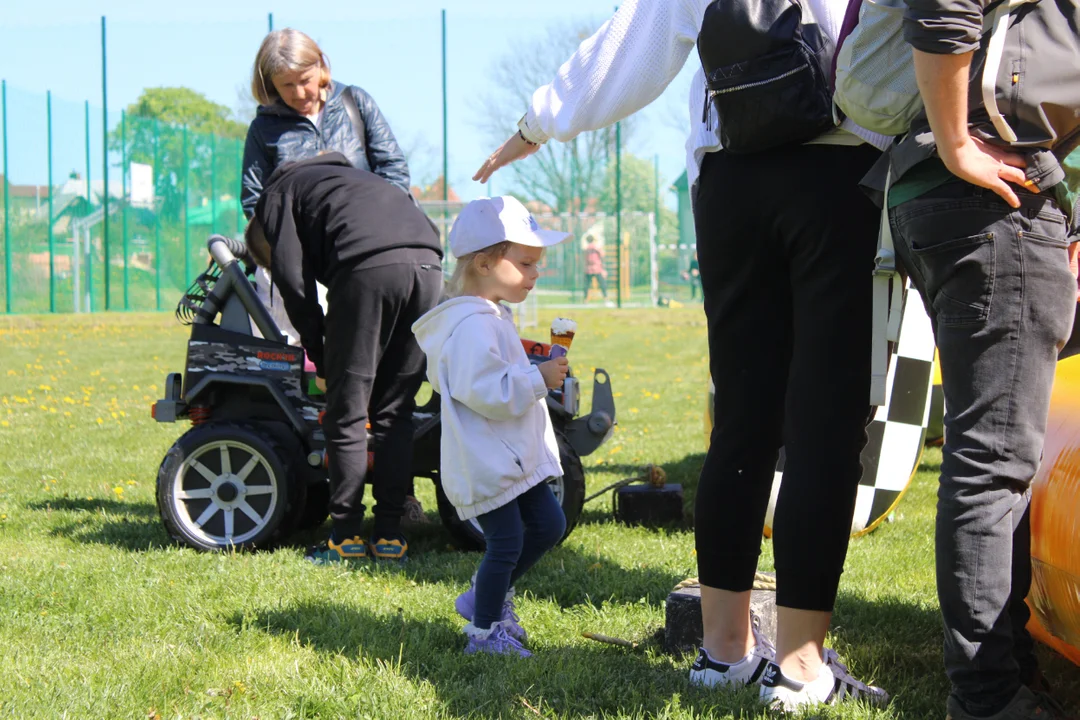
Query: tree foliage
[(192, 143), (562, 175)]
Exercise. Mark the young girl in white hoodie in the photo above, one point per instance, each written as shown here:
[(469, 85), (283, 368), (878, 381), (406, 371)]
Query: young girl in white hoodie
[(498, 446)]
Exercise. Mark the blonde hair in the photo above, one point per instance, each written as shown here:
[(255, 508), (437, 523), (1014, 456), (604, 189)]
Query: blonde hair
[(463, 270), (256, 242), (281, 51)]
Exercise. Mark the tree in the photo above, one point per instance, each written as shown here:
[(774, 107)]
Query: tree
[(193, 144), (562, 175), (638, 186), (184, 106)]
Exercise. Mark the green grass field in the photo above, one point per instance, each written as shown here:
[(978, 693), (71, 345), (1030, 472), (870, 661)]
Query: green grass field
[(100, 617)]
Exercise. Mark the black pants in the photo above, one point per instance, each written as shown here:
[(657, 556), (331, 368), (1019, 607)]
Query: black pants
[(373, 371), (786, 243), (601, 281)]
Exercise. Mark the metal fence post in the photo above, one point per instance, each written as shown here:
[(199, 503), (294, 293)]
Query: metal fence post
[(7, 211), (124, 201), (105, 161), (618, 215), (213, 183), (187, 234), (49, 223), (158, 264), (89, 204)]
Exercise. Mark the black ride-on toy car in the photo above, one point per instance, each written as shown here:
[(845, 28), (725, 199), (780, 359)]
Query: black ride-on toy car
[(252, 468)]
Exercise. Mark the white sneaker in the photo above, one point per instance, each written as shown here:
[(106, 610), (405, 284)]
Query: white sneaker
[(709, 672), (834, 684)]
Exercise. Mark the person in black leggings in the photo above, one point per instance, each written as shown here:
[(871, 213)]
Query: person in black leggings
[(786, 244)]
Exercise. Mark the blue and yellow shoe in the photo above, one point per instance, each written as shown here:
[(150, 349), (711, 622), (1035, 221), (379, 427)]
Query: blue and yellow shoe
[(331, 552), (395, 548)]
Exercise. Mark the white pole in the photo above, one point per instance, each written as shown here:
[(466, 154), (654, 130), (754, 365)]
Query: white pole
[(89, 249), (654, 278), (75, 265)]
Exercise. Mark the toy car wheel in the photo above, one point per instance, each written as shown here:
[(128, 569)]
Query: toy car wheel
[(569, 490), (223, 486)]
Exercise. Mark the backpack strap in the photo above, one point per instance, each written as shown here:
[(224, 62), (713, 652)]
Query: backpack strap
[(999, 24), (888, 303), (353, 111)]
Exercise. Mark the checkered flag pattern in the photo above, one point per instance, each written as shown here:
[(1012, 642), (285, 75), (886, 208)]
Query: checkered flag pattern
[(898, 430)]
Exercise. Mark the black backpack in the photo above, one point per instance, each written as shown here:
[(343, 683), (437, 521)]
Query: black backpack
[(767, 69)]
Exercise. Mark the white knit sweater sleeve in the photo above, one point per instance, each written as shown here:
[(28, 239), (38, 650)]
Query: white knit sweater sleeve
[(622, 68)]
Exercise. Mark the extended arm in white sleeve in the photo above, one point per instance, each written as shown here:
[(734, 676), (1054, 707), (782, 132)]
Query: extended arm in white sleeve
[(482, 380), (619, 70)]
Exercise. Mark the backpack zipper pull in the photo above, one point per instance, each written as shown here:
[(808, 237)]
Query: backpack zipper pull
[(706, 116)]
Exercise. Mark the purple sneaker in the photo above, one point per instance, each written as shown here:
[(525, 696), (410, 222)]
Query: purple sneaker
[(495, 640), (466, 607)]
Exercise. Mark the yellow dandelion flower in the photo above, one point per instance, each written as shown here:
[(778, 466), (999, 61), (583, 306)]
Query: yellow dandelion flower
[(12, 372), (118, 490), (67, 413), (132, 482), (633, 410), (4, 423), (114, 415), (100, 421)]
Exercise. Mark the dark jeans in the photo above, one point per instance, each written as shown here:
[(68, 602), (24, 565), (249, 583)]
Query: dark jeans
[(997, 286), (786, 246), (601, 281), (517, 535), (373, 371)]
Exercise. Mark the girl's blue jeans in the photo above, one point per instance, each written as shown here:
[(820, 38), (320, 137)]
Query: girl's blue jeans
[(517, 535)]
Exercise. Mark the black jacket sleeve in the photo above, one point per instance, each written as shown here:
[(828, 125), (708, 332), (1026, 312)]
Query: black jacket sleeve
[(383, 152), (256, 169), (294, 276)]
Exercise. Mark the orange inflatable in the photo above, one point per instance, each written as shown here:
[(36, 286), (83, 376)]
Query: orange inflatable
[(1055, 521)]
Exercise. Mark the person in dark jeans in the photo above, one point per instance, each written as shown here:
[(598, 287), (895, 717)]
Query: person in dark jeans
[(981, 220), (322, 220)]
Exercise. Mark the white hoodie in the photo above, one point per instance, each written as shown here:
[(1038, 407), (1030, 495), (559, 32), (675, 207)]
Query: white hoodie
[(497, 439)]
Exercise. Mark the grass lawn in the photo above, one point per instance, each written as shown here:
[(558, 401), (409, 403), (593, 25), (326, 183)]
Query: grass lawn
[(100, 617)]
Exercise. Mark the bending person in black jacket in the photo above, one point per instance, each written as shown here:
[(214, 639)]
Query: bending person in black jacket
[(302, 112), (324, 221)]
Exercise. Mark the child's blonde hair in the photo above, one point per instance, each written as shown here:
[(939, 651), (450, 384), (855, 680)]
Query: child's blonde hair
[(257, 245), (281, 51), (465, 267)]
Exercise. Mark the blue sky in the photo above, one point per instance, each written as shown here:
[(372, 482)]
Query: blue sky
[(391, 49)]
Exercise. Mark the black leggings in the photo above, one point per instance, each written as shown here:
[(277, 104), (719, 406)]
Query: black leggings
[(786, 243)]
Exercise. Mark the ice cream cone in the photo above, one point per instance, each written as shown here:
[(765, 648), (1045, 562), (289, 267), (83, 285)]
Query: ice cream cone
[(562, 335)]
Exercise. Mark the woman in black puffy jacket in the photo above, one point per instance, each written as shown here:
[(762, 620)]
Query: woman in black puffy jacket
[(302, 113)]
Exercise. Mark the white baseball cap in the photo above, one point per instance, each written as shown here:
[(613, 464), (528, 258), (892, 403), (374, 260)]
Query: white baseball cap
[(489, 221)]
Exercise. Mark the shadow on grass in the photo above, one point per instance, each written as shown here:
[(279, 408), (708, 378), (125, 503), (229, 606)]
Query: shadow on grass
[(130, 526), (899, 646), (566, 576), (588, 680)]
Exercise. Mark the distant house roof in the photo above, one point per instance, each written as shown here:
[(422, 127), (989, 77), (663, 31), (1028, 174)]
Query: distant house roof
[(434, 192)]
